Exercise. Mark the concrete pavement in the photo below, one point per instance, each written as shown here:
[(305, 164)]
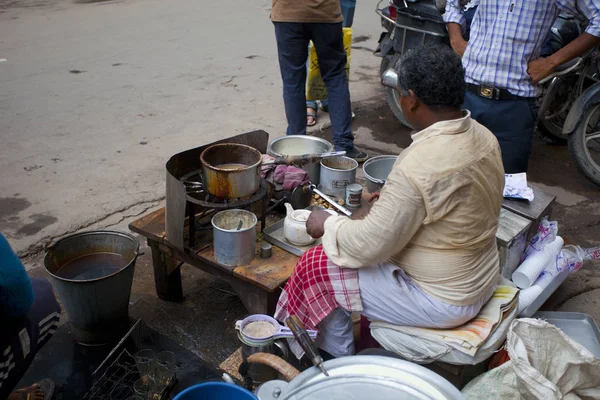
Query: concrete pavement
[(96, 96)]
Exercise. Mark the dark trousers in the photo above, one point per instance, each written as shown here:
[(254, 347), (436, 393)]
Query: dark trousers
[(21, 338), (292, 41), (512, 122)]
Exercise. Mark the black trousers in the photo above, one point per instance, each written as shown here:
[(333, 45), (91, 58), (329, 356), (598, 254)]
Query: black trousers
[(512, 122)]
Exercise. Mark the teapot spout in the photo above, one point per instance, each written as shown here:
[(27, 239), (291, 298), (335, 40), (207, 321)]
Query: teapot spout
[(288, 209)]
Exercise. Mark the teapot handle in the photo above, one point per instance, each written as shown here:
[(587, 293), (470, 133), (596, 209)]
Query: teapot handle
[(277, 363)]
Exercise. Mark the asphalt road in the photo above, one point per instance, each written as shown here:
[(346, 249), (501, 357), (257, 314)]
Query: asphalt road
[(96, 96)]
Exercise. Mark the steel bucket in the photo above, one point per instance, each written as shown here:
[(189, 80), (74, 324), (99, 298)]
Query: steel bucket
[(96, 300), (376, 171)]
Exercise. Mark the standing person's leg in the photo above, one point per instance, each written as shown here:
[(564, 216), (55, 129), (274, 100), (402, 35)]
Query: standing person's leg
[(512, 122), (329, 43), (348, 7), (292, 42)]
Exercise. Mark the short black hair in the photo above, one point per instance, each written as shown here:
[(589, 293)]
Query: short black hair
[(436, 75)]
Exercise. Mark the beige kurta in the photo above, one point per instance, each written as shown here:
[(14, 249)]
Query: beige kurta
[(437, 215)]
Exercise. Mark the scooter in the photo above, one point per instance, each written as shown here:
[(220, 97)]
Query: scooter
[(407, 24)]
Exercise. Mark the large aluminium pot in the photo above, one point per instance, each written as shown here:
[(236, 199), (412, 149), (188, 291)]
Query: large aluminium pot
[(360, 377), (376, 171), (92, 273), (297, 145), (231, 171)]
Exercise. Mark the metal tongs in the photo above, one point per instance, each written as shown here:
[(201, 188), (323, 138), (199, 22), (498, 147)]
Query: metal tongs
[(303, 159), (313, 188)]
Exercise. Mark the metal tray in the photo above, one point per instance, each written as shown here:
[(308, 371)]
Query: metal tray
[(274, 235), (578, 326)]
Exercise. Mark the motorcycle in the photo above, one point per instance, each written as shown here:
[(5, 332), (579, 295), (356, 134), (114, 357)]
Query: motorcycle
[(582, 124), (558, 92)]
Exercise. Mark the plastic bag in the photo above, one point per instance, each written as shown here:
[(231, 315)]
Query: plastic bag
[(571, 257), (315, 87), (547, 231)]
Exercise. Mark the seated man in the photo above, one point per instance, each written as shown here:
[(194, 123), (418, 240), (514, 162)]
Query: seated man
[(426, 254), (30, 314)]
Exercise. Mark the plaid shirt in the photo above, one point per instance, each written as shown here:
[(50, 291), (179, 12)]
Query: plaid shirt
[(507, 35)]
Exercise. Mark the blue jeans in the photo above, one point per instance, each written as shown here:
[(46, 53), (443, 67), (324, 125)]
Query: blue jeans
[(512, 122), (292, 41), (348, 7)]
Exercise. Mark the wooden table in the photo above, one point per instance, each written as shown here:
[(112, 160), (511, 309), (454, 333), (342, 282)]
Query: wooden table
[(258, 284)]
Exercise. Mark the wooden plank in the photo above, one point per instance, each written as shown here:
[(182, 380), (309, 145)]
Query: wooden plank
[(267, 273), (151, 225)]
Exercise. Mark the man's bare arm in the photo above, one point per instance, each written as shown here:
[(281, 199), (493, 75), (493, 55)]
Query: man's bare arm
[(457, 41), (543, 67)]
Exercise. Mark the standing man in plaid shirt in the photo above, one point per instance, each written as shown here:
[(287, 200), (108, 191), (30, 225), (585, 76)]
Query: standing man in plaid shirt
[(503, 67)]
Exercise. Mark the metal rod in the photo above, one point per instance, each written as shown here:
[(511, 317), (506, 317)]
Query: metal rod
[(192, 224)]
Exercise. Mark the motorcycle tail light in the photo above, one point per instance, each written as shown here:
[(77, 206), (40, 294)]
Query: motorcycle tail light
[(392, 12)]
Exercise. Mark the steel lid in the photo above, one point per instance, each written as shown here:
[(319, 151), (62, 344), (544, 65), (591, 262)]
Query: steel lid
[(363, 377)]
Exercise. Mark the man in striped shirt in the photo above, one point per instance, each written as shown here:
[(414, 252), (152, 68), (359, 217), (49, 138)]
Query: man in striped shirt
[(503, 67)]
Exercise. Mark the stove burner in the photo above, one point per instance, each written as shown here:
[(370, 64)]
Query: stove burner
[(199, 200)]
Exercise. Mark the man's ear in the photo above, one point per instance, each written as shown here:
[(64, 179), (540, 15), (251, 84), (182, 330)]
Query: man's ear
[(412, 102)]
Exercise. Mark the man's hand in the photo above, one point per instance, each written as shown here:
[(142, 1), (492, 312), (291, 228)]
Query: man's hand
[(374, 197), (315, 225), (540, 69)]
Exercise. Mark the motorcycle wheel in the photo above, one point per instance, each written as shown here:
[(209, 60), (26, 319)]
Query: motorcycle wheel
[(552, 129), (584, 144), (392, 97)]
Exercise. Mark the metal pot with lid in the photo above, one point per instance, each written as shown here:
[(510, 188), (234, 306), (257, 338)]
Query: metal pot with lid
[(359, 377)]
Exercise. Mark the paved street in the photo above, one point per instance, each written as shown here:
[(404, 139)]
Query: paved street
[(95, 97)]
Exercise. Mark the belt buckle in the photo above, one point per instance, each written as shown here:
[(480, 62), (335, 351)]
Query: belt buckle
[(487, 91)]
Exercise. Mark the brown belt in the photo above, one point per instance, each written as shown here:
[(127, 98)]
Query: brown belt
[(490, 92)]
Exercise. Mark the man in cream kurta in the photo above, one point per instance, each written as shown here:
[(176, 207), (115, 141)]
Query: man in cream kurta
[(426, 253)]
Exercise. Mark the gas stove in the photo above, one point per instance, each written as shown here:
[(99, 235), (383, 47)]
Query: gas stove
[(190, 208)]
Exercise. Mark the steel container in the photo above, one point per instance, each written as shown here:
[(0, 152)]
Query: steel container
[(336, 174), (377, 170), (234, 246), (231, 171), (97, 308), (297, 145), (363, 377)]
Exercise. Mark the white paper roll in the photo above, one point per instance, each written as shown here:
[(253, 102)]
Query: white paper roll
[(532, 267)]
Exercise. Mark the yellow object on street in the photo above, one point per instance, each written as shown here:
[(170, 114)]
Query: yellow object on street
[(315, 87)]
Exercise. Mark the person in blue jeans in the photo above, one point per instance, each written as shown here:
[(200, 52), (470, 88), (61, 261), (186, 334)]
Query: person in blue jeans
[(320, 21), (348, 7), (29, 315)]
